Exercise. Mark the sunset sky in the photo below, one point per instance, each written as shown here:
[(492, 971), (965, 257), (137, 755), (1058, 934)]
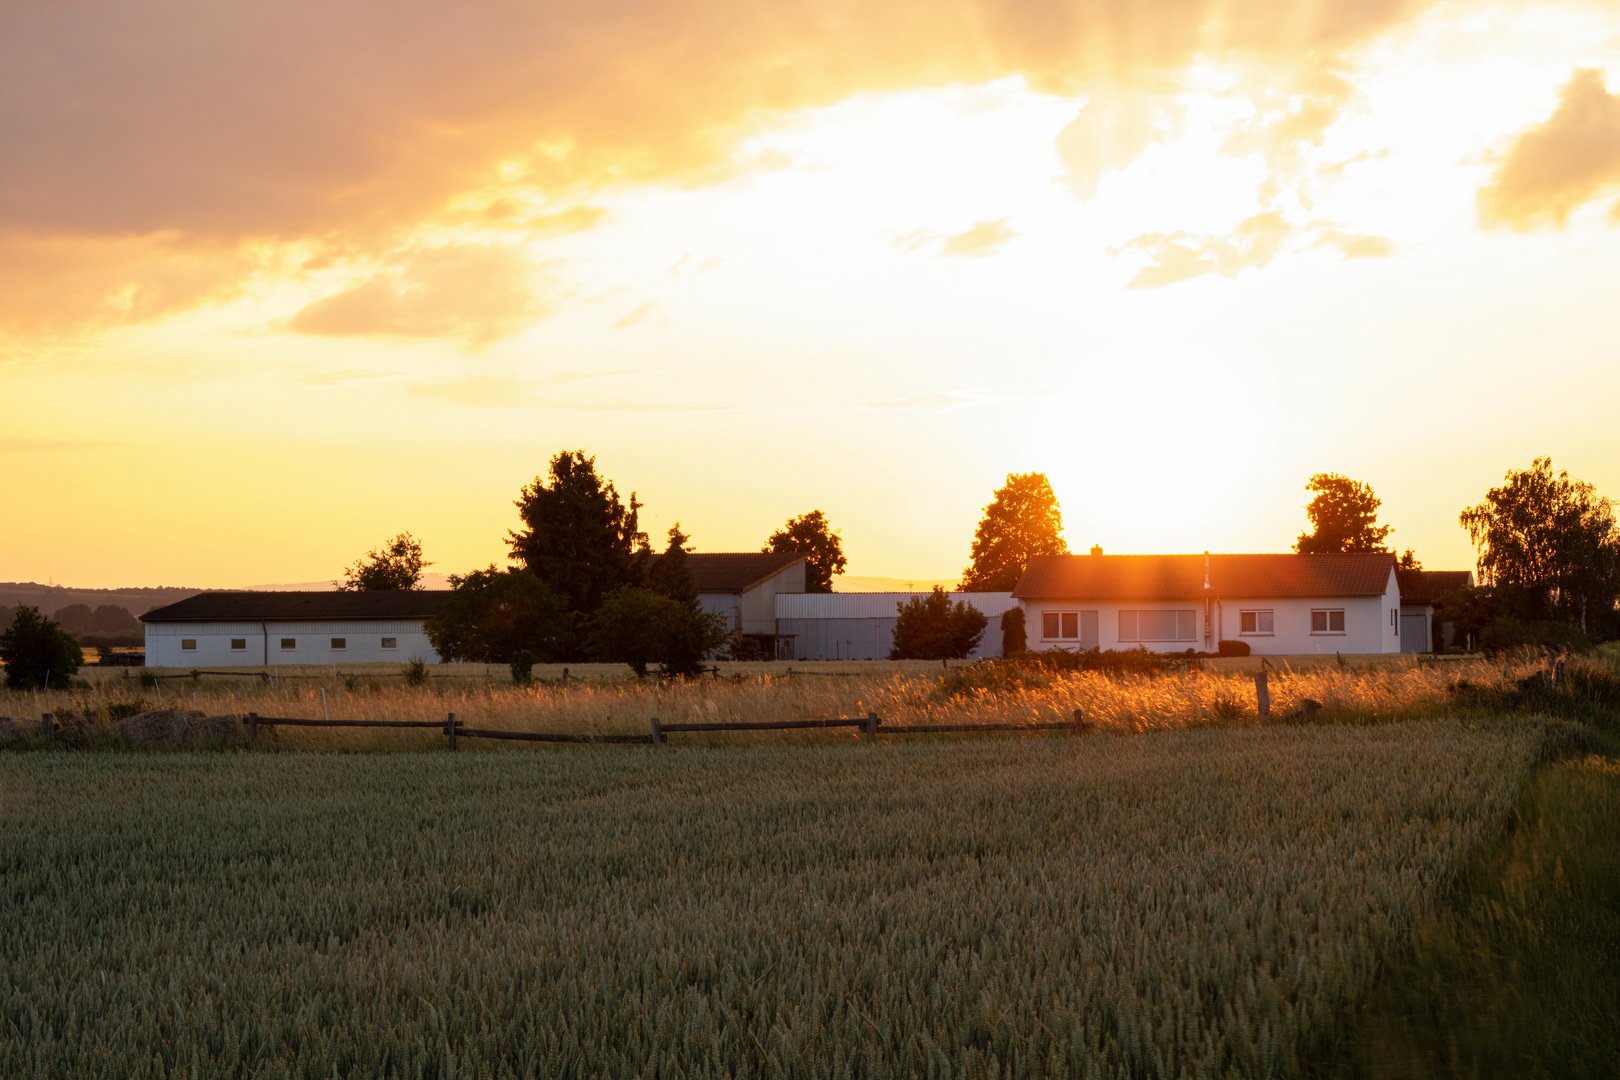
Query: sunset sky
[(279, 280)]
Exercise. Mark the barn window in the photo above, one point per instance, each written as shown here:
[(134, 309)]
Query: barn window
[(189, 644), (1159, 625), (390, 643), (289, 643), (238, 643), (340, 643), (1327, 621), (1255, 622)]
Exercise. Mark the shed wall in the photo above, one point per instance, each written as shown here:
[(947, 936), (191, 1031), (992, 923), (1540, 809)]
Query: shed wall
[(362, 640)]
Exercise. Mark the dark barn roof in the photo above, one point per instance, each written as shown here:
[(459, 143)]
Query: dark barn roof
[(252, 606), (1428, 586), (1181, 577), (735, 571)]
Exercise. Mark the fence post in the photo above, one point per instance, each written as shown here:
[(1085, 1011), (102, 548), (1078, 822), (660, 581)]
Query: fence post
[(1262, 695), (253, 728), (1079, 724), (450, 730), (657, 732), (47, 726), (872, 723)]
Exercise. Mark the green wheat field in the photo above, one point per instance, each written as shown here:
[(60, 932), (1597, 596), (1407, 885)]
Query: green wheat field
[(1179, 903)]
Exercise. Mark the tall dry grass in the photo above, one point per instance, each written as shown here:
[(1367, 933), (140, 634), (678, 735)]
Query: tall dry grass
[(981, 694)]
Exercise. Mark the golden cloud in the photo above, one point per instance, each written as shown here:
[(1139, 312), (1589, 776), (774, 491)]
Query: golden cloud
[(1179, 256), (476, 292), (1115, 127), (233, 127), (1554, 169), (985, 238)]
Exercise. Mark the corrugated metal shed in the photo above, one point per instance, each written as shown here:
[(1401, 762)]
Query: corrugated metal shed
[(860, 626)]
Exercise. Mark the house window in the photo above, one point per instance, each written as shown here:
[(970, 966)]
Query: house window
[(1181, 625), (1330, 621), (340, 643), (1255, 622), (1060, 625), (288, 643), (238, 644), (390, 643), (189, 644)]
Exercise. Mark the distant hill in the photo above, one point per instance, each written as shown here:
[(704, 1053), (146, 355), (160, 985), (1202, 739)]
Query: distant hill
[(53, 598)]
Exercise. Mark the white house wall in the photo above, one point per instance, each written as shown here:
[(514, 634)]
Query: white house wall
[(312, 643), (758, 605), (1367, 624)]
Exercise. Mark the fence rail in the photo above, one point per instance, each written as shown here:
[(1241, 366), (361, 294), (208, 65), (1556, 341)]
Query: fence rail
[(871, 723)]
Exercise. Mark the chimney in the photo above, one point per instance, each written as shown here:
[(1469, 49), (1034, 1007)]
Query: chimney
[(1096, 549), (1206, 569)]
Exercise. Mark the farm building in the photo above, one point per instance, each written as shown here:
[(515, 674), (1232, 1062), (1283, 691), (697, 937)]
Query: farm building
[(742, 587), (219, 629), (1278, 604), (1421, 593), (860, 626)]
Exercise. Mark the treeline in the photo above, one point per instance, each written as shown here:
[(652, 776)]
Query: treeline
[(584, 583), (107, 626)]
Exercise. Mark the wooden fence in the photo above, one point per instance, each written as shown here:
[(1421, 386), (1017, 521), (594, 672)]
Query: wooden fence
[(870, 723)]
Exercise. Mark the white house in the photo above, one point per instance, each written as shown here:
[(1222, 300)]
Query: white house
[(1278, 604), (860, 625), (221, 629)]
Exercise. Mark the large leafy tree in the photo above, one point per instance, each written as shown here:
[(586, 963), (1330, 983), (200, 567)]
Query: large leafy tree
[(1022, 521), (811, 535), (1550, 542), (396, 565), (1344, 517), (932, 628), (578, 536), (492, 615), (37, 653)]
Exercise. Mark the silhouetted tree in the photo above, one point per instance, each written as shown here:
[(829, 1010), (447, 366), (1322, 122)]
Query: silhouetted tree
[(1548, 546), (1343, 515), (577, 536), (37, 653), (76, 619), (636, 626), (394, 566), (492, 615), (1022, 521), (932, 628), (671, 574), (812, 536)]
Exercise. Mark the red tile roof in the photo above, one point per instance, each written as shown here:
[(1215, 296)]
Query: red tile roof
[(1181, 577)]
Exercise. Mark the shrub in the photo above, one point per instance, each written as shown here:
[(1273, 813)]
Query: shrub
[(523, 662), (932, 628), (416, 672), (641, 627), (38, 653), (1509, 633), (746, 648), (1232, 648), (491, 614), (1013, 640)]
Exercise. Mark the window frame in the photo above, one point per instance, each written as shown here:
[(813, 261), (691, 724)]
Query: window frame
[(1136, 621), (390, 643), (1062, 617), (238, 648), (339, 644), (1270, 616), (1327, 621), (188, 644), (289, 644)]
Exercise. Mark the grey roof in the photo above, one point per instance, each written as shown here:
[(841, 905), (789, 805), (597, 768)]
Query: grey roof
[(735, 571), (248, 606)]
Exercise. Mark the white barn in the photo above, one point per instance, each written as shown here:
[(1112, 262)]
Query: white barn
[(257, 629), (1277, 604)]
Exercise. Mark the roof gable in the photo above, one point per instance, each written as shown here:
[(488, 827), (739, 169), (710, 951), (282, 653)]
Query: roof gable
[(735, 571), (1181, 577), (326, 604)]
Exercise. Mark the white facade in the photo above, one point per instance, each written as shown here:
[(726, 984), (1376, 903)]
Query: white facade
[(271, 642), (1272, 626), (753, 611)]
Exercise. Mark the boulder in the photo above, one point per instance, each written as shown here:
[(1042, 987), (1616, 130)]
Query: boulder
[(158, 727)]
